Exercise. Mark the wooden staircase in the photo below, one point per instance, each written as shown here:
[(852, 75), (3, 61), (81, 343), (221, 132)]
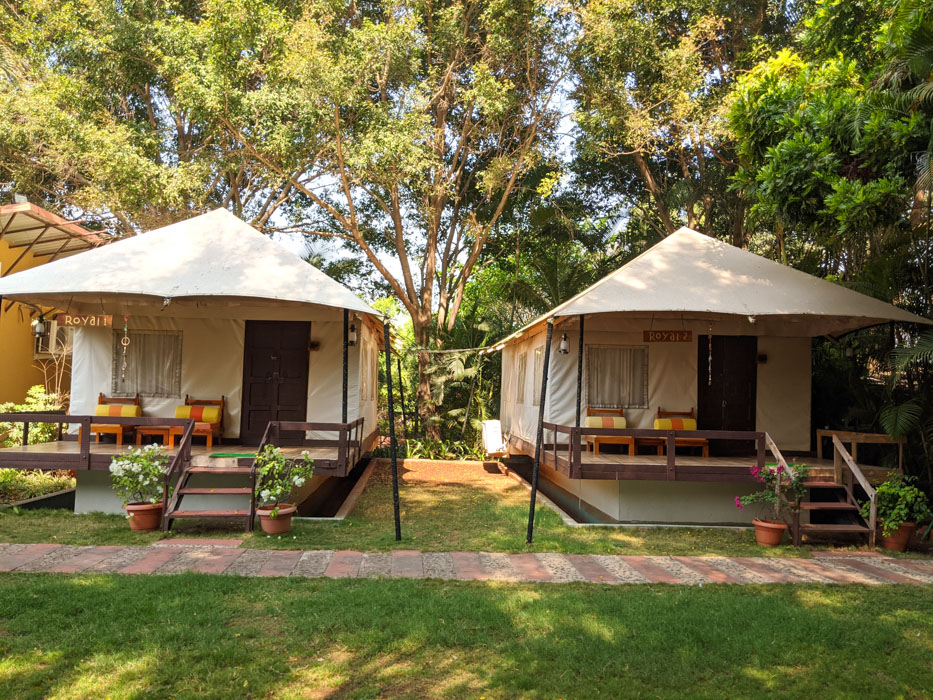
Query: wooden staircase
[(214, 475), (840, 499)]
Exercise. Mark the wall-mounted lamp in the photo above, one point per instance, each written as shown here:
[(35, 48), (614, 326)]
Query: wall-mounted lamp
[(165, 302), (39, 327), (752, 320), (351, 335), (562, 348)]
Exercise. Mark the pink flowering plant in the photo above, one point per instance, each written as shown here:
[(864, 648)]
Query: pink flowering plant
[(782, 489)]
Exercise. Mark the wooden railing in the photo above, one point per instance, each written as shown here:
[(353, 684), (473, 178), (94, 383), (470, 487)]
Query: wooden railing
[(575, 438), (180, 461), (844, 469), (348, 441), (81, 459)]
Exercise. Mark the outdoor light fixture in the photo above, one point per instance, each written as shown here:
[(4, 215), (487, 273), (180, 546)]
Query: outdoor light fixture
[(165, 302), (40, 327), (752, 320), (351, 335), (563, 349)]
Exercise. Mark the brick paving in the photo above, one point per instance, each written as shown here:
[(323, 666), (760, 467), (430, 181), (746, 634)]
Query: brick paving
[(222, 557)]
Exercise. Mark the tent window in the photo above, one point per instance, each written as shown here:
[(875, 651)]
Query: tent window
[(521, 370), (539, 367), (617, 377), (153, 364)]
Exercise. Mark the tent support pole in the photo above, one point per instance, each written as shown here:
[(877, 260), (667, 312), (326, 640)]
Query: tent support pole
[(346, 364), (579, 373), (393, 446), (540, 433), (401, 396)]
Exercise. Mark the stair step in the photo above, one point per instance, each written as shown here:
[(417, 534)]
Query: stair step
[(831, 528), (209, 514), (219, 470), (827, 505), (208, 491), (823, 485)]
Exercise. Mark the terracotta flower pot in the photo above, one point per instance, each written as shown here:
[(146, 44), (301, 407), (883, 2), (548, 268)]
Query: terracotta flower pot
[(278, 525), (769, 533), (144, 516), (899, 538)]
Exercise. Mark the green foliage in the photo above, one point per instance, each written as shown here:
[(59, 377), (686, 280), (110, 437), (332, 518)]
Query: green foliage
[(138, 474), (442, 449), (278, 475), (38, 399), (780, 492), (19, 484), (899, 501)]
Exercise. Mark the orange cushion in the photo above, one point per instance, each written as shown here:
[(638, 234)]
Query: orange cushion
[(204, 414), (605, 422), (675, 424), (119, 410)]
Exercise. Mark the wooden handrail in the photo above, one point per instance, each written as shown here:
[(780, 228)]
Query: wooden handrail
[(840, 451), (181, 459)]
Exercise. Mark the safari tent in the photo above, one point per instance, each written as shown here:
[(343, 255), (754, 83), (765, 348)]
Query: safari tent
[(700, 331), (209, 309)]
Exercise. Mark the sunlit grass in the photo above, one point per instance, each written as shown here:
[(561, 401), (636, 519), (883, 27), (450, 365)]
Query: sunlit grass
[(216, 636)]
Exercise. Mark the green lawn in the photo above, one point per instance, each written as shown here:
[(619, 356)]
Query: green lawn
[(213, 636), (488, 513)]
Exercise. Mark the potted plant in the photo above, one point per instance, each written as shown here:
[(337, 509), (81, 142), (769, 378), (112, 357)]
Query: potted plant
[(276, 476), (781, 492), (138, 477), (901, 505)]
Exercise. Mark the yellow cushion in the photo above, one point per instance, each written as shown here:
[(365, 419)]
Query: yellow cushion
[(120, 410), (675, 424), (605, 422), (203, 414)]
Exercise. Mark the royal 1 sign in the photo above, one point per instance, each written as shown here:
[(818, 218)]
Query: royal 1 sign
[(668, 336), (84, 320)]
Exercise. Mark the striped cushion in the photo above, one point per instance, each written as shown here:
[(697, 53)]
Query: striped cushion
[(605, 422), (675, 424), (119, 410), (204, 414)]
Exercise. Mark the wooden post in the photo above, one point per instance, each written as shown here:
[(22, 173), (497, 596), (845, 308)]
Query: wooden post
[(393, 447), (671, 455), (540, 431), (579, 374), (346, 363)]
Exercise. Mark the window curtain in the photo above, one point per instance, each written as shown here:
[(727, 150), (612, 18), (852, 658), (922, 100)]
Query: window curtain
[(522, 366), (539, 368), (153, 364), (617, 377)]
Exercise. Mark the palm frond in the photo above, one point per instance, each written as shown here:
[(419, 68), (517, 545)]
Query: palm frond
[(899, 419)]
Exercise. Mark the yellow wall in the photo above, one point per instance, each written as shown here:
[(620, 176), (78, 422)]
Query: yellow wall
[(18, 370)]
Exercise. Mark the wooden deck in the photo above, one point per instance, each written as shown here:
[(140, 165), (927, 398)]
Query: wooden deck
[(332, 457), (683, 467)]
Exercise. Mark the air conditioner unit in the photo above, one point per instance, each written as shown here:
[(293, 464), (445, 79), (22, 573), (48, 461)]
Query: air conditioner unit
[(56, 341)]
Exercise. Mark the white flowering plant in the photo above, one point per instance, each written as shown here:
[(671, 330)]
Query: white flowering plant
[(138, 474), (277, 474)]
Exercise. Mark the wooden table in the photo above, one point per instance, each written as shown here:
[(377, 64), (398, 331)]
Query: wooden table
[(595, 440), (661, 444), (161, 431), (855, 439)]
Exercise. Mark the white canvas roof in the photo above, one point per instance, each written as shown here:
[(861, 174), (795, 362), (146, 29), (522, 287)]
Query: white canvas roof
[(695, 275), (214, 255)]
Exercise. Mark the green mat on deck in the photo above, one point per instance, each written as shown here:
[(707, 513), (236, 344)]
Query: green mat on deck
[(233, 454)]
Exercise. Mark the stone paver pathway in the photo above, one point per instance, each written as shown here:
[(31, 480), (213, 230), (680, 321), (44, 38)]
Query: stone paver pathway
[(226, 557)]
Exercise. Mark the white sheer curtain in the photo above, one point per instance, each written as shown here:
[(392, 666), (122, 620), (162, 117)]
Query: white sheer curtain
[(153, 364), (539, 367), (617, 376)]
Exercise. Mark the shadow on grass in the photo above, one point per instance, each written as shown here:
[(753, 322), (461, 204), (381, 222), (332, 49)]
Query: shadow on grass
[(204, 636)]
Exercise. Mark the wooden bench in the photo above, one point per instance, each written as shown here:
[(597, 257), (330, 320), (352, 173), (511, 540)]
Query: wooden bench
[(116, 406), (595, 441), (661, 443)]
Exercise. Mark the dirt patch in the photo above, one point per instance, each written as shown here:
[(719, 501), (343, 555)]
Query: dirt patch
[(443, 472)]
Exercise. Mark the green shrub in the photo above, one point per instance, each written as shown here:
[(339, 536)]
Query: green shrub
[(18, 485), (37, 399)]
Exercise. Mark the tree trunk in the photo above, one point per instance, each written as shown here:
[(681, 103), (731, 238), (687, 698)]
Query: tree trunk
[(424, 401)]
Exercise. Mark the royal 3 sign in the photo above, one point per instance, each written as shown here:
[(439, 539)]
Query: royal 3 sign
[(668, 336), (84, 320)]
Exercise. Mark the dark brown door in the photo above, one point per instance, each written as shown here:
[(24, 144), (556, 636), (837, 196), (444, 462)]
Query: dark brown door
[(275, 375), (728, 401)]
